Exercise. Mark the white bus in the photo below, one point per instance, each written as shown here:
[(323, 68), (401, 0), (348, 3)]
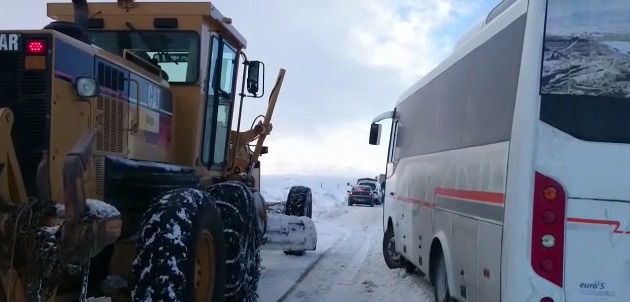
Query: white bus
[(508, 173)]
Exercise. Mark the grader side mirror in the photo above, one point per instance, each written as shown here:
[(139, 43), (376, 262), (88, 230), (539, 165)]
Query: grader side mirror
[(253, 76)]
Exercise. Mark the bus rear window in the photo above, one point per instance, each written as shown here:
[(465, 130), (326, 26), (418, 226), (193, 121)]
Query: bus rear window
[(585, 78), (587, 48)]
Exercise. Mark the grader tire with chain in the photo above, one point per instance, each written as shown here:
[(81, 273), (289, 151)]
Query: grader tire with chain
[(299, 203), (243, 238), (181, 252)]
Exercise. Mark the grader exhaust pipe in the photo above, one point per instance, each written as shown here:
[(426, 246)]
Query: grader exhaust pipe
[(81, 17)]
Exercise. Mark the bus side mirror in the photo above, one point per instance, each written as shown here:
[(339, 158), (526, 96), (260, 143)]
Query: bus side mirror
[(253, 76), (375, 134)]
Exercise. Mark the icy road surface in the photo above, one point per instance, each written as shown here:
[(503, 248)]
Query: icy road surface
[(347, 266)]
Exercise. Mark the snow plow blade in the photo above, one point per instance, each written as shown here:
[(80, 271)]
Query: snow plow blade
[(290, 233)]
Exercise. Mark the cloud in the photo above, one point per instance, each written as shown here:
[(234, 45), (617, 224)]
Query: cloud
[(346, 60), (340, 151), (404, 35)]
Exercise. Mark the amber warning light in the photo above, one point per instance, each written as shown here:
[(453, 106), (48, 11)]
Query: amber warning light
[(36, 47)]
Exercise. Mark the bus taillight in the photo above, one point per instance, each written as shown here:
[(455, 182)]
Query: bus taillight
[(548, 229)]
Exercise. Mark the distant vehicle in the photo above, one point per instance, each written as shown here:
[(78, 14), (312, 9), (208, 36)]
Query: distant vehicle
[(507, 171), (360, 194), (375, 186)]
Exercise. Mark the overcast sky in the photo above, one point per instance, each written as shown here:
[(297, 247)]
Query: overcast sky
[(346, 60)]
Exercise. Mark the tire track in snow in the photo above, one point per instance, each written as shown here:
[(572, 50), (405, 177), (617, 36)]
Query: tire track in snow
[(282, 273), (306, 272), (354, 270), (341, 266), (348, 276)]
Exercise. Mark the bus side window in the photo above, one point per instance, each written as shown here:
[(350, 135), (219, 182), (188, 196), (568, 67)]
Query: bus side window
[(393, 155)]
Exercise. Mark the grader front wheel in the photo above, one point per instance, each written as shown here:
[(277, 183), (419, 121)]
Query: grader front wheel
[(299, 203), (181, 250)]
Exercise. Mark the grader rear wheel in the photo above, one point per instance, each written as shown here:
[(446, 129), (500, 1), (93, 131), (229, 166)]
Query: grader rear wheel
[(181, 250), (243, 238)]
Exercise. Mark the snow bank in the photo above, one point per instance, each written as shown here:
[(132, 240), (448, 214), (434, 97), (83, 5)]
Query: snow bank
[(328, 192)]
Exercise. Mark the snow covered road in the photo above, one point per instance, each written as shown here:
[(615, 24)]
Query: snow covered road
[(347, 266)]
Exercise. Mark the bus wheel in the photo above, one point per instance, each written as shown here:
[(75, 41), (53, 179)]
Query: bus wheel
[(440, 281), (391, 256), (410, 268), (180, 252), (299, 203)]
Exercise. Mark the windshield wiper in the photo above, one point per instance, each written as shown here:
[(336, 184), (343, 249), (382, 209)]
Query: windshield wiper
[(149, 43)]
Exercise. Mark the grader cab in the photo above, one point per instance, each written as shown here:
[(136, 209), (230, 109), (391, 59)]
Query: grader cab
[(120, 174)]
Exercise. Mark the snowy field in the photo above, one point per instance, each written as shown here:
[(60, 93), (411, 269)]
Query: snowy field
[(347, 265)]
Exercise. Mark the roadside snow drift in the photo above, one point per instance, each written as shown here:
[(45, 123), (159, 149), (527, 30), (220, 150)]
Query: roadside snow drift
[(328, 192)]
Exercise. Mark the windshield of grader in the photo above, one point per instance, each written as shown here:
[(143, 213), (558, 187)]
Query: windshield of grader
[(585, 80), (176, 52)]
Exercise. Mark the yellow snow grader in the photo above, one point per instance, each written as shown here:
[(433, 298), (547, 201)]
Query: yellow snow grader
[(120, 174)]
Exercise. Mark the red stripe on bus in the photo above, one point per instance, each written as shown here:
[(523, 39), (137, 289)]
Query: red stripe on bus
[(416, 201), (483, 196), (615, 224), (464, 195)]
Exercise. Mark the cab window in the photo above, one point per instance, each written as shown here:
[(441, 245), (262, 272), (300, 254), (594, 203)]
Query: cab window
[(176, 53), (219, 102)]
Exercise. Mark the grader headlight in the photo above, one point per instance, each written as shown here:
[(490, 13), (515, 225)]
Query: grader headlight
[(86, 87)]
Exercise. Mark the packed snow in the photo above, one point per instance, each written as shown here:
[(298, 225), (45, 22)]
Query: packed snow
[(97, 208), (347, 265)]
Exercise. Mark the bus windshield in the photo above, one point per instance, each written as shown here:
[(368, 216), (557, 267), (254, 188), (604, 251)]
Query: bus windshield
[(585, 79), (176, 52)]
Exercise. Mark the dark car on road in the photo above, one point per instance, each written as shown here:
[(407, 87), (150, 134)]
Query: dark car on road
[(360, 195)]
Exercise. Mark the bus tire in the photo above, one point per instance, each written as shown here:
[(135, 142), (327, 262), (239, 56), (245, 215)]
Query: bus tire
[(392, 258), (410, 268), (299, 203), (441, 290), (180, 253), (243, 239)]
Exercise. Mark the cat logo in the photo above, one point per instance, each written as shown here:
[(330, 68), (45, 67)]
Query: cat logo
[(10, 42)]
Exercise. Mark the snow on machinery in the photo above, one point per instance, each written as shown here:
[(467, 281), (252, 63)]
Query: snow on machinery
[(116, 181)]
